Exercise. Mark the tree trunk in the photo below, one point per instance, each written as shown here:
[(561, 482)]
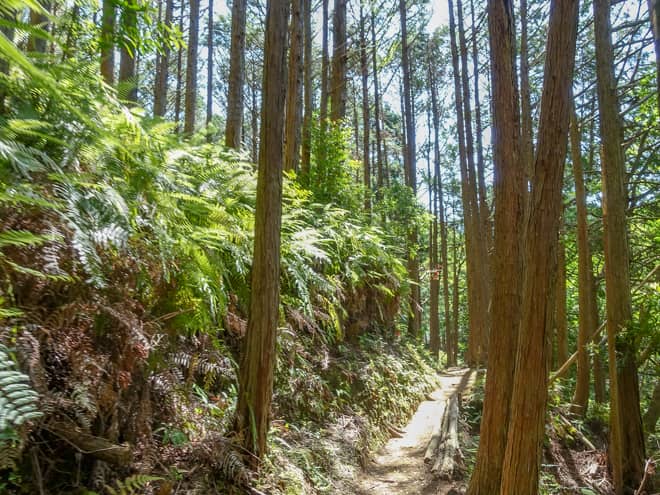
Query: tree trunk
[(654, 14), (162, 69), (128, 54), (380, 180), (475, 303), (339, 63), (561, 323), (525, 98), (440, 217), (259, 346), (107, 42), (479, 329), (325, 69), (191, 70), (653, 412), (179, 75), (294, 106), (410, 165), (366, 119), (36, 42), (8, 32), (455, 299), (586, 299), (308, 90), (522, 459), (626, 435), (484, 212), (209, 74), (508, 264), (236, 75)]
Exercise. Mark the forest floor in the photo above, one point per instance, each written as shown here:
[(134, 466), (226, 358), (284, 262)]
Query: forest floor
[(399, 468)]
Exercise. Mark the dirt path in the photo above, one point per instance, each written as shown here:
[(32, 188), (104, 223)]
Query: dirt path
[(399, 468)]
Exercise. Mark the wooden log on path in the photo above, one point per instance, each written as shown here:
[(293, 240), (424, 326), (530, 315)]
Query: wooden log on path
[(445, 463), (436, 436)]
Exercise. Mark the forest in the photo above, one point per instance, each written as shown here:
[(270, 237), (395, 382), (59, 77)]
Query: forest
[(297, 247)]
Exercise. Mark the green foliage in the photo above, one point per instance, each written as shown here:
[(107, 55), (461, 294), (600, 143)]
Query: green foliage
[(133, 485)]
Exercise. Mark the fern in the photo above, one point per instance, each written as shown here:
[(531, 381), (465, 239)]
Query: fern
[(133, 485), (18, 402)]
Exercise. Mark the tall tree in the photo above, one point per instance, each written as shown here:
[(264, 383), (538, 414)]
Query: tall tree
[(377, 103), (308, 89), (366, 117), (522, 459), (338, 90), (108, 41), (325, 67), (294, 105), (129, 49), (479, 321), (626, 436), (38, 20), (586, 299), (476, 295), (410, 166), (236, 75), (508, 265), (654, 14), (179, 73), (162, 67), (561, 323), (190, 113), (209, 73), (259, 353)]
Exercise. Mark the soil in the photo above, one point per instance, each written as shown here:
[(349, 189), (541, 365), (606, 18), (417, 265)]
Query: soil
[(398, 468)]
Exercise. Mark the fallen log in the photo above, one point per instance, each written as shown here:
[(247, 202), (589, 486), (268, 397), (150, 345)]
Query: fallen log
[(436, 436), (445, 463), (101, 448)]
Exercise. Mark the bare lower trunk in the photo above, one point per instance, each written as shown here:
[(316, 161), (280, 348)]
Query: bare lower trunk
[(626, 450), (234, 125), (292, 127), (508, 266), (190, 113), (259, 348), (522, 459), (338, 88)]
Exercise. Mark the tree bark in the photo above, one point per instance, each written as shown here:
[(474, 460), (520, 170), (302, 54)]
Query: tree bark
[(259, 347), (179, 75), (128, 54), (586, 299), (508, 264), (484, 211), (325, 69), (654, 14), (107, 42), (410, 165), (38, 20), (308, 90), (474, 288), (162, 69), (522, 458), (380, 179), (366, 118), (191, 70), (339, 63), (525, 97), (626, 450), (292, 135), (234, 125), (209, 74), (479, 329), (561, 323)]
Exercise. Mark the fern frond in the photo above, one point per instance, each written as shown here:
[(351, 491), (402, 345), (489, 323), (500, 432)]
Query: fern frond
[(18, 402)]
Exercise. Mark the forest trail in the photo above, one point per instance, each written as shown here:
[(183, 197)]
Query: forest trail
[(399, 468)]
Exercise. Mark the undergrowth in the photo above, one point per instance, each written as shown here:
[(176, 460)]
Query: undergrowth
[(124, 280)]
